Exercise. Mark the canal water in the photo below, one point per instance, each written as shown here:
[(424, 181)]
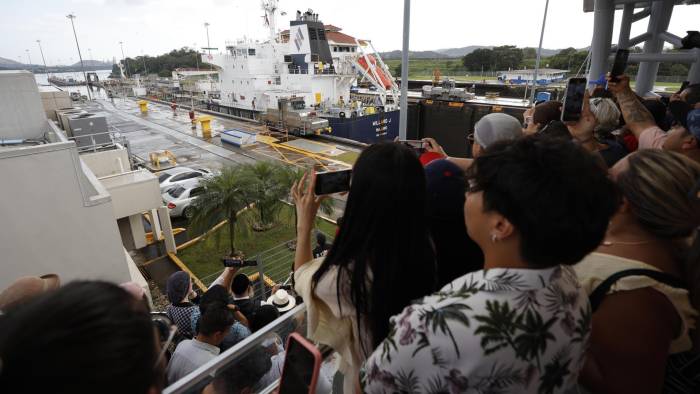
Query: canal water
[(42, 80)]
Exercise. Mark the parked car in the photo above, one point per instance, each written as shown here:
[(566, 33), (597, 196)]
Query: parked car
[(181, 175), (179, 198)]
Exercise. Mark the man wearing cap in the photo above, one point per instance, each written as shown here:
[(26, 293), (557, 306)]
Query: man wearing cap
[(680, 139), (491, 128), (179, 291), (282, 300)]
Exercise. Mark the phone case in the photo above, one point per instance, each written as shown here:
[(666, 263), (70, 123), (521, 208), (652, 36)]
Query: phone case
[(311, 348)]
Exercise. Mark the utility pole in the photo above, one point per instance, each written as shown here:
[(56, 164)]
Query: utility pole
[(29, 57), (42, 56), (82, 66), (145, 70), (539, 53), (126, 62), (206, 26), (196, 56), (403, 110)]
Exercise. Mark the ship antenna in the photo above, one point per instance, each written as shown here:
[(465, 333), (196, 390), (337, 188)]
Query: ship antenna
[(270, 8)]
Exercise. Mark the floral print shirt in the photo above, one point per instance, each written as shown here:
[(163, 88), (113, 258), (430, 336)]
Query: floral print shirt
[(495, 331)]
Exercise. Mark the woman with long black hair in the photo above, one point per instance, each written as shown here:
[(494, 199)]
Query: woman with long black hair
[(381, 260)]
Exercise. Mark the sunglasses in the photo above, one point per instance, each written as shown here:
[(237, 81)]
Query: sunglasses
[(166, 332)]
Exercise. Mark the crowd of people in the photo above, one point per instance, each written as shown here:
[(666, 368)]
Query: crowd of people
[(558, 257)]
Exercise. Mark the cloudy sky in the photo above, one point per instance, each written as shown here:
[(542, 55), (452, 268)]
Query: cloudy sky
[(157, 26)]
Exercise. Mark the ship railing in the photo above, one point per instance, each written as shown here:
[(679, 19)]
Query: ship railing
[(297, 70)]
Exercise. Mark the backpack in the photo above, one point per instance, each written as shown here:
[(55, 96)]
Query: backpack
[(682, 369)]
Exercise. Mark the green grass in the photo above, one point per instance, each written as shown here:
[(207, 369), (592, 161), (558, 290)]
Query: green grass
[(349, 157), (204, 258)]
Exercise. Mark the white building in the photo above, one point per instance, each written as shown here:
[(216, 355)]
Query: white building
[(62, 212), (544, 76)]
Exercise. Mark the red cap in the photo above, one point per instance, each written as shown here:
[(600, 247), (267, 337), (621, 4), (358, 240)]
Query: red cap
[(427, 157)]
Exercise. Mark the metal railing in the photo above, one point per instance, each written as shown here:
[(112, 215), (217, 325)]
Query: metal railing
[(226, 368)]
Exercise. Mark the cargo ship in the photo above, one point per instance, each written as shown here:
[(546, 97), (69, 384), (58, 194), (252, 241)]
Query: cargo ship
[(300, 80), (57, 81)]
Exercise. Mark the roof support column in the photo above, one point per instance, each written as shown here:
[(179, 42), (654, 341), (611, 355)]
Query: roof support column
[(403, 114), (603, 20), (658, 23)]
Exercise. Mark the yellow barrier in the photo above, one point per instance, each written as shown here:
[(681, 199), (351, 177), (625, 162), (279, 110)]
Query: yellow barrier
[(143, 105)]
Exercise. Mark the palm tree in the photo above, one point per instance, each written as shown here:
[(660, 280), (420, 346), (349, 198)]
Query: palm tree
[(224, 196), (267, 187)]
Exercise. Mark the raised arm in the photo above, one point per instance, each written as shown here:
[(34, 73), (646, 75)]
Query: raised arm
[(462, 163), (306, 205), (636, 116)]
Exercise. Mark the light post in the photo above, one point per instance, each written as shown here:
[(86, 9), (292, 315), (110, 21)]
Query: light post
[(539, 53), (82, 66), (28, 57), (206, 26), (145, 70), (196, 55), (42, 56), (126, 62)]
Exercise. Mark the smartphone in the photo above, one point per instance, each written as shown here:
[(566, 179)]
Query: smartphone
[(417, 146), (573, 100), (620, 63), (229, 262), (683, 86), (332, 182), (302, 364)]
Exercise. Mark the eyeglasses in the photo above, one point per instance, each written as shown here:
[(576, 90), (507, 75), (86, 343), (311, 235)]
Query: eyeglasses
[(470, 137), (166, 332)]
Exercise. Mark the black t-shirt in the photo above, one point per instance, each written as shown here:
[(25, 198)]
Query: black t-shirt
[(247, 307)]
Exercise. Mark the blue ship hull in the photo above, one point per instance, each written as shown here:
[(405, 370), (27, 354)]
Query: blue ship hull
[(368, 129)]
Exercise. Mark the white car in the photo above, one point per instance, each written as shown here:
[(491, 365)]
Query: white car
[(181, 176), (179, 198)]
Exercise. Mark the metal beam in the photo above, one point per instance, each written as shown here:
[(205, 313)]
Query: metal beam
[(403, 114), (626, 26), (673, 57), (603, 19), (658, 23)]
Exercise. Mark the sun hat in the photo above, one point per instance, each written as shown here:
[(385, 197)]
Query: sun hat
[(282, 301)]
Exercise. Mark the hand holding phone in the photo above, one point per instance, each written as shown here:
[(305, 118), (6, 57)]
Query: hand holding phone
[(302, 365), (573, 100), (620, 64), (418, 146)]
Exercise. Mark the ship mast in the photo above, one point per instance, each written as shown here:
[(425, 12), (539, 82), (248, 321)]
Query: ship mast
[(270, 8)]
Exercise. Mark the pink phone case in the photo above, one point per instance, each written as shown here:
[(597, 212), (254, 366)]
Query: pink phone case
[(311, 348)]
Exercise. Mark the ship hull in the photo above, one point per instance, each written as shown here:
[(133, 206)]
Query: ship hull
[(368, 129)]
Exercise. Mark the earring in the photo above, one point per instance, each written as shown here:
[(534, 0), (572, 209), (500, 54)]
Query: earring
[(494, 238)]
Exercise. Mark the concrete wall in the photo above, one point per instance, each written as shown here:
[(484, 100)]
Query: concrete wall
[(56, 217), (21, 113), (55, 100), (133, 192), (109, 162)]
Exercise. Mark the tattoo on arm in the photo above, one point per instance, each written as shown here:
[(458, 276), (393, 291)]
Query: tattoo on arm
[(634, 112)]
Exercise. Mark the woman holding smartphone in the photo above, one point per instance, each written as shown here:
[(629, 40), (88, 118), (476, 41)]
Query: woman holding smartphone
[(381, 259)]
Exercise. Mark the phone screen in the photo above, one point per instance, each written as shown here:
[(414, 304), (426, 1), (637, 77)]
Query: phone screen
[(300, 366), (620, 63), (417, 146), (332, 182), (573, 101)]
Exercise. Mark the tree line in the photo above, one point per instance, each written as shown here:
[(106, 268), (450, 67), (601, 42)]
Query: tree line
[(507, 57), (164, 64)]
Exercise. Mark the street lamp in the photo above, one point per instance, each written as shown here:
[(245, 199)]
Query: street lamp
[(126, 62), (42, 56), (206, 26), (196, 56), (82, 66), (28, 57)]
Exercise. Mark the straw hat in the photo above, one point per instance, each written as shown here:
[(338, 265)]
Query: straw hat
[(282, 301)]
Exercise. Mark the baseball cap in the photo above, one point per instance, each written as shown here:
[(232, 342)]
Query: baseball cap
[(496, 127)]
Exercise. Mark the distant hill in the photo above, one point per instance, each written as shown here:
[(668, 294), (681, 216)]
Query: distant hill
[(93, 64), (8, 62), (451, 53), (413, 55)]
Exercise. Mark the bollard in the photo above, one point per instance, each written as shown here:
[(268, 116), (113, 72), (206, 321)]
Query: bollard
[(206, 126), (143, 105)]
